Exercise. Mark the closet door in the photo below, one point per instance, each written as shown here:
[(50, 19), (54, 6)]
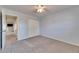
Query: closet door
[(33, 28)]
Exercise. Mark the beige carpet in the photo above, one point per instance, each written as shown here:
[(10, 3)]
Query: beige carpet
[(40, 44), (10, 39)]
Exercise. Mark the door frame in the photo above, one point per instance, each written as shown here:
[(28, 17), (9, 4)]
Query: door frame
[(4, 30)]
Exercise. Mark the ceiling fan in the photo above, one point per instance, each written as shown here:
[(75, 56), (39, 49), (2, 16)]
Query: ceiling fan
[(40, 8)]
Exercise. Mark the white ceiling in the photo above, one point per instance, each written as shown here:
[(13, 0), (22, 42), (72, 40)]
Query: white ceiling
[(29, 9), (10, 19)]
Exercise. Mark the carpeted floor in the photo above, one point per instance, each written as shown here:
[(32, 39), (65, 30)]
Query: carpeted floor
[(10, 39), (40, 44)]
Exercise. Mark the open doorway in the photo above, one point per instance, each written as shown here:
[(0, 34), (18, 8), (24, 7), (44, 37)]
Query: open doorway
[(11, 29)]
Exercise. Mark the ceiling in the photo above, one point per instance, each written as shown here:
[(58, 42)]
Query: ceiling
[(10, 19), (29, 9)]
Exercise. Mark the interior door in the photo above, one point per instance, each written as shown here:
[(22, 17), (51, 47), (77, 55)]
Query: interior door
[(0, 31), (33, 28)]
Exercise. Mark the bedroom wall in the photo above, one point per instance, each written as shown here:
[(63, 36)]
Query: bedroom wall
[(62, 26)]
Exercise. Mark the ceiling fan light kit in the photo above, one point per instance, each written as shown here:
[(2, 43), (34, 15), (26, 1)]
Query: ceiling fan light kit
[(40, 8)]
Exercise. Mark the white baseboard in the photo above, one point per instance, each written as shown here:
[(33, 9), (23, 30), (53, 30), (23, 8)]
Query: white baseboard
[(28, 37), (61, 40), (32, 36)]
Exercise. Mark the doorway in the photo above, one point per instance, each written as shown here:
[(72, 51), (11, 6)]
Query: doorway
[(11, 30)]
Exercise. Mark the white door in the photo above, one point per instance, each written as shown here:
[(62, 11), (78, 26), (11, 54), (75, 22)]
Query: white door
[(33, 28), (3, 30)]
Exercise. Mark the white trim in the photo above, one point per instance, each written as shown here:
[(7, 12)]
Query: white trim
[(60, 40), (32, 36)]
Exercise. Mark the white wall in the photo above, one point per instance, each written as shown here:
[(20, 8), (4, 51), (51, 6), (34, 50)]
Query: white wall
[(63, 26)]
